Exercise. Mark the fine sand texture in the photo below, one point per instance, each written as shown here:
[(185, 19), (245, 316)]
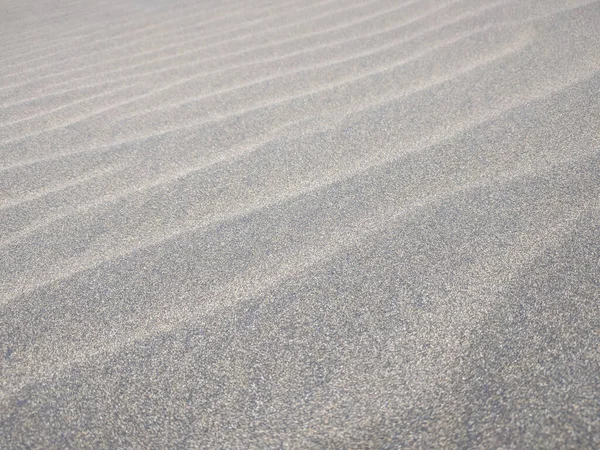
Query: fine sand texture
[(297, 224)]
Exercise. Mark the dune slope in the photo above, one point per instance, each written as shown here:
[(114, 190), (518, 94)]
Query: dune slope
[(290, 224)]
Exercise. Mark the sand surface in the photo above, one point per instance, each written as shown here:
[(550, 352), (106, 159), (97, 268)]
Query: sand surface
[(299, 224)]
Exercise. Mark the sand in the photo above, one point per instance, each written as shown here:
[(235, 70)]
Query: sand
[(299, 224)]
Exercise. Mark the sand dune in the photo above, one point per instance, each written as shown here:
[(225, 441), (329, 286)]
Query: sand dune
[(289, 224)]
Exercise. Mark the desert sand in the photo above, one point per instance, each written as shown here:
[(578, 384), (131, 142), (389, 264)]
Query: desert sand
[(299, 224)]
